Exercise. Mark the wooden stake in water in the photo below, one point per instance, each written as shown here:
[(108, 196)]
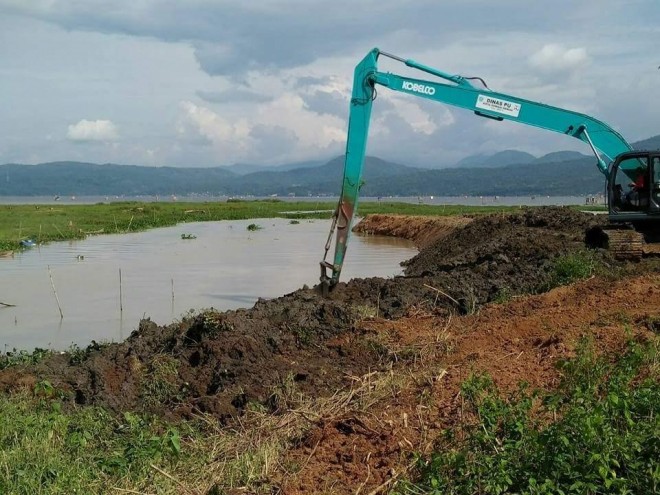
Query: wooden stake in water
[(172, 291), (121, 306), (52, 284)]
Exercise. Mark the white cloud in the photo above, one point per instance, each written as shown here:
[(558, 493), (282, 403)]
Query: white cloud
[(92, 130), (420, 120), (554, 57), (304, 133), (212, 126)]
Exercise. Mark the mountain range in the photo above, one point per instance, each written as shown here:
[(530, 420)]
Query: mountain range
[(507, 173)]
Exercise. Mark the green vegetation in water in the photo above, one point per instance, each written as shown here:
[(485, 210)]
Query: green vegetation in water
[(47, 223), (22, 357), (598, 433), (253, 227)]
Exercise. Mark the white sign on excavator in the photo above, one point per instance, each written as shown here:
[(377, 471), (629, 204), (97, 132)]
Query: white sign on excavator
[(419, 88), (496, 105)]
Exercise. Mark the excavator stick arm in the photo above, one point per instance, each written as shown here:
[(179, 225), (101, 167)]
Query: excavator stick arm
[(356, 145)]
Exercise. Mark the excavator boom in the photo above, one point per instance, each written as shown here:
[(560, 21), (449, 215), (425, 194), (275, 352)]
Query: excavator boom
[(458, 91)]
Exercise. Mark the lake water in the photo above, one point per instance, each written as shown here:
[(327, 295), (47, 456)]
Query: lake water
[(225, 267)]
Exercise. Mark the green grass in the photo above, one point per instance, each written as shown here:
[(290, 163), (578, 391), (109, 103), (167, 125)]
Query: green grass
[(87, 450), (50, 446), (599, 433), (572, 267), (47, 223)]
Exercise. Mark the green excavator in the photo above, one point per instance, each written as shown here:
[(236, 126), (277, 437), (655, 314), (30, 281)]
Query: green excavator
[(634, 215)]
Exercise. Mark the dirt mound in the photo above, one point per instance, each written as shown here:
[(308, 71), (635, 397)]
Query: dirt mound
[(216, 363), (484, 260), (419, 229), (220, 363), (531, 236)]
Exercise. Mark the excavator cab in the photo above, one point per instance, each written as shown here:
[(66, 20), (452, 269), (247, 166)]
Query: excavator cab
[(634, 187), (634, 207)]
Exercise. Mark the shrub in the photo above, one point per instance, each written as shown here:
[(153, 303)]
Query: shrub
[(606, 439), (571, 267)]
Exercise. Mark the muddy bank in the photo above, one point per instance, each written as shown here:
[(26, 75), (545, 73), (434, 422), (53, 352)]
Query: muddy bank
[(422, 230), (220, 363), (214, 363)]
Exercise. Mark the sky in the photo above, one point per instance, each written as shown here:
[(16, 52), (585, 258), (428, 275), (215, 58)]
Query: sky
[(267, 82)]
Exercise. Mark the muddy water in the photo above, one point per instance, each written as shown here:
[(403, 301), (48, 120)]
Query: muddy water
[(163, 276)]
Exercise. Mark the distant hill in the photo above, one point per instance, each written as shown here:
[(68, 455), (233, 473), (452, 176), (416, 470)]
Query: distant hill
[(560, 156), (514, 157), (381, 178), (652, 143), (559, 173), (76, 178), (89, 179), (471, 161), (245, 168), (577, 177), (500, 159), (323, 180)]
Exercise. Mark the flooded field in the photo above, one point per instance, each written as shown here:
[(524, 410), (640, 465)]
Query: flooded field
[(164, 276)]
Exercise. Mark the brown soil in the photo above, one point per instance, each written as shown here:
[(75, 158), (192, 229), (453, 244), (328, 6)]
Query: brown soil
[(519, 341), (406, 334), (419, 229)]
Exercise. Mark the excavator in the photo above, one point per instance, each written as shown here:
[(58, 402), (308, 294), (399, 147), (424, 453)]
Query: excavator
[(634, 216)]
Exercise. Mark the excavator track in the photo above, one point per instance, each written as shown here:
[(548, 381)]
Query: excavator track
[(625, 244), (652, 249)]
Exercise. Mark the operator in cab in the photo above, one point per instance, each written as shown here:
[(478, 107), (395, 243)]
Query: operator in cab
[(637, 187)]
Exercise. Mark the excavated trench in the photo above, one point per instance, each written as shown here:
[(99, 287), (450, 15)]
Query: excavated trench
[(219, 363)]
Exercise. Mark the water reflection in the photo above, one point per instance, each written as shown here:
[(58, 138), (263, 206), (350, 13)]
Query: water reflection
[(163, 276)]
